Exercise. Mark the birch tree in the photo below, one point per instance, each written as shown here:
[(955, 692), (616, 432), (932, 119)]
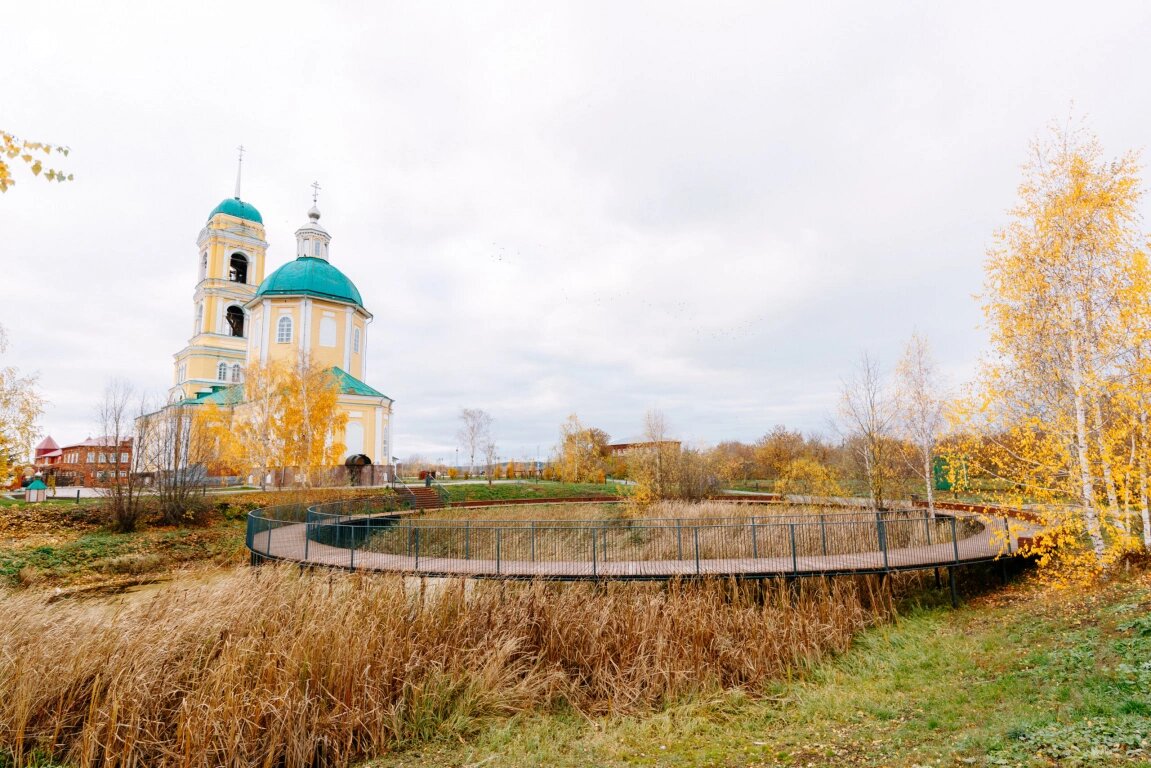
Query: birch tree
[(1056, 280), (474, 432), (867, 418), (920, 403)]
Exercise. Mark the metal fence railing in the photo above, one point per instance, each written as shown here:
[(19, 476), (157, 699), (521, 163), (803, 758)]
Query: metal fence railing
[(379, 534)]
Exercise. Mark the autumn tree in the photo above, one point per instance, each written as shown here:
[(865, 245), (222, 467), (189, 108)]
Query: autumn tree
[(31, 153), (284, 415), (582, 452), (1058, 297), (313, 424), (491, 455), (867, 419), (474, 433), (20, 407), (807, 476), (654, 463), (920, 408), (776, 450)]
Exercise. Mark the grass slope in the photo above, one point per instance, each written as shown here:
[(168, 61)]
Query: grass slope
[(540, 490), (1027, 677)]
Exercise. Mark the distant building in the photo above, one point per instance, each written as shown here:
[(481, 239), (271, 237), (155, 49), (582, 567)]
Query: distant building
[(91, 462), (624, 449)]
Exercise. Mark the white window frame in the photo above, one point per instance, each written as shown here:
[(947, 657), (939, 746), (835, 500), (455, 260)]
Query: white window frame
[(284, 330)]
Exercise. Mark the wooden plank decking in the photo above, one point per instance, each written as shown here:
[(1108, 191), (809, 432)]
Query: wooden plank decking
[(287, 542)]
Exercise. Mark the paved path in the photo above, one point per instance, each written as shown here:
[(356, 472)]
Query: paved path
[(989, 542)]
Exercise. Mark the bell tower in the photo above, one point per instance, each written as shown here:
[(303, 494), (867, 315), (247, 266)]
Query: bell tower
[(230, 265)]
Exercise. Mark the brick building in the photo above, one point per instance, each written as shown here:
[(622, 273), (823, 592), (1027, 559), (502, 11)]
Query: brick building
[(91, 462)]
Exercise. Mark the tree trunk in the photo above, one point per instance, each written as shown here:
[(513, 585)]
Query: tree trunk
[(1143, 506), (1087, 487), (1104, 456), (929, 479)]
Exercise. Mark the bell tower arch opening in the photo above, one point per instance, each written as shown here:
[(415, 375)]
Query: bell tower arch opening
[(238, 268), (235, 321)]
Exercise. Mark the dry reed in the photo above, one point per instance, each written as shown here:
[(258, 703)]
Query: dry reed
[(667, 531), (274, 667)]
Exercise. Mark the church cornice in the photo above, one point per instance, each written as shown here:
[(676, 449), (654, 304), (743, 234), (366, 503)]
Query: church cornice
[(208, 233)]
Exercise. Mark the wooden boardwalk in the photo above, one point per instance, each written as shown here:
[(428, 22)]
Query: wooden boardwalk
[(288, 542)]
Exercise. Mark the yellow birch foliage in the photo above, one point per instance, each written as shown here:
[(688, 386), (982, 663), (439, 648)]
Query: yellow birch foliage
[(287, 417), (1043, 423)]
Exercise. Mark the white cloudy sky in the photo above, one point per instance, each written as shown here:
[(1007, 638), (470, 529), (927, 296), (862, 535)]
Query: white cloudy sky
[(706, 208)]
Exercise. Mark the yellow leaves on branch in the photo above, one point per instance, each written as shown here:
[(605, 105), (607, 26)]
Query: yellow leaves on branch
[(27, 152), (1059, 418), (287, 416)]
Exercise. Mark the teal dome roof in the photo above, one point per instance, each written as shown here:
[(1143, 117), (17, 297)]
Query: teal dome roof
[(310, 276), (234, 206)]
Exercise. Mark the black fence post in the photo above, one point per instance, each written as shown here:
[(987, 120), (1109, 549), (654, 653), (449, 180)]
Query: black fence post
[(823, 532), (679, 537), (696, 550), (594, 544), (882, 527), (499, 541), (955, 537), (417, 549), (754, 541), (794, 557), (468, 540)]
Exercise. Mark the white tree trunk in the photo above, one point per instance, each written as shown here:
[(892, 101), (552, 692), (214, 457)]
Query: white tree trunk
[(1143, 506), (929, 479), (1104, 457), (1087, 486)]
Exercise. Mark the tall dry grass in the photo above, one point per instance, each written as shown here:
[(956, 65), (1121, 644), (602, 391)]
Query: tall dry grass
[(666, 531), (275, 667)]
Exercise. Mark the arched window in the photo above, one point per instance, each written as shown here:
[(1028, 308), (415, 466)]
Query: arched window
[(356, 340), (222, 372), (238, 268), (284, 330), (235, 318), (236, 375)]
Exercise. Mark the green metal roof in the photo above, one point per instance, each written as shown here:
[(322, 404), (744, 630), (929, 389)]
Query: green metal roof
[(220, 394), (37, 485), (310, 276), (350, 385), (234, 206)]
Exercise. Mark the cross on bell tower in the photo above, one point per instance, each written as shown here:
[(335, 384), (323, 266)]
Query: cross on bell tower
[(239, 169), (315, 193)]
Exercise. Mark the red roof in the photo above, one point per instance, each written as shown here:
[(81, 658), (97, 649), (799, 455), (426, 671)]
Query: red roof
[(47, 444)]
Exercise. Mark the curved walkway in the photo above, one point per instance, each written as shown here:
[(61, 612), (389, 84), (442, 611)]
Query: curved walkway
[(987, 534)]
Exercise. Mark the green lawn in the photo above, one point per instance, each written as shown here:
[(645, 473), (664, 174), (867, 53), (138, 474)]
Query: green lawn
[(1022, 678), (527, 490)]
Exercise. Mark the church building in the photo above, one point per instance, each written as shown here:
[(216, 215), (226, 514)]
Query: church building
[(307, 308)]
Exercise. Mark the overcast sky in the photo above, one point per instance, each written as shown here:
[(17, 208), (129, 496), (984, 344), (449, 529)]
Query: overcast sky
[(601, 208)]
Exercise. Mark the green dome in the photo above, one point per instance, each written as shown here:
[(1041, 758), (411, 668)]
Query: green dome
[(310, 276), (234, 206)]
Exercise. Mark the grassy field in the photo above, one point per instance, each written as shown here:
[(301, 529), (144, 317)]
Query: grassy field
[(1019, 677), (527, 490), (64, 544)]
